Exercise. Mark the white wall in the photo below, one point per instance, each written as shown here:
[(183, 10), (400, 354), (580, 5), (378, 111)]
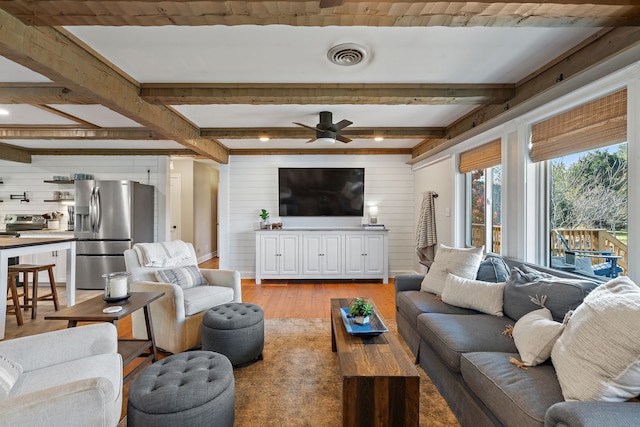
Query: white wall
[(250, 183), (29, 177), (437, 176)]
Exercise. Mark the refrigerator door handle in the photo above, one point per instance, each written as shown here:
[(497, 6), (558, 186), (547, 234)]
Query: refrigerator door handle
[(98, 210), (92, 210)]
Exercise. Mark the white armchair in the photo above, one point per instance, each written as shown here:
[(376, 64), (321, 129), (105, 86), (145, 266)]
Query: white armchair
[(177, 316), (71, 377)]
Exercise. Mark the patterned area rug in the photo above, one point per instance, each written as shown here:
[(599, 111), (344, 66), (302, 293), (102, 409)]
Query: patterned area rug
[(298, 382)]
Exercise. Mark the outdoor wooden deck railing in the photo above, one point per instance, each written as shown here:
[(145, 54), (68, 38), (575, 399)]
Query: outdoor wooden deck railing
[(578, 239)]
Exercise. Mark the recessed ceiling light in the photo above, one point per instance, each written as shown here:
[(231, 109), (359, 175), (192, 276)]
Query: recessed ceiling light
[(264, 138), (378, 138), (4, 112)]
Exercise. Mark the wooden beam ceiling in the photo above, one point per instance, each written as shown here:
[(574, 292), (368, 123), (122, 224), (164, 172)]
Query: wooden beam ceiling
[(327, 93), (14, 154), (130, 134), (54, 55), (302, 133), (513, 13)]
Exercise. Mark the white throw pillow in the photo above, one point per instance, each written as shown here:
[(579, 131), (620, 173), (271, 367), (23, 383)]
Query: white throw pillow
[(475, 294), (461, 262), (9, 375), (534, 334), (597, 357)]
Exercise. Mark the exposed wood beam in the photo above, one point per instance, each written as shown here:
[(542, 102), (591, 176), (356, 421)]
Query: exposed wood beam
[(326, 93), (326, 151), (109, 152), (302, 133), (54, 55), (56, 133), (35, 93), (14, 154), (550, 13), (613, 51)]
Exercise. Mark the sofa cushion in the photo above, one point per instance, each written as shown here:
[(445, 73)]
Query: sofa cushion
[(525, 283), (534, 334), (475, 294), (185, 277), (9, 374), (517, 397), (414, 303), (461, 262), (493, 269), (451, 335), (201, 298), (597, 355)]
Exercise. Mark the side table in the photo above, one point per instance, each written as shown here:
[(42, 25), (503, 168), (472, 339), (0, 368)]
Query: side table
[(92, 311)]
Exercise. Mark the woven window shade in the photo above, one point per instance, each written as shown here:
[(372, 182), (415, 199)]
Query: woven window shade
[(482, 157), (597, 124)]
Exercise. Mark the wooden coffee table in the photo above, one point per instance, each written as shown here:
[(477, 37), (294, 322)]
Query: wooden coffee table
[(380, 384), (91, 311)]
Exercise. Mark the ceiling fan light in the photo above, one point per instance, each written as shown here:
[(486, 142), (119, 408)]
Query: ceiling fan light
[(264, 138), (326, 141), (378, 138)]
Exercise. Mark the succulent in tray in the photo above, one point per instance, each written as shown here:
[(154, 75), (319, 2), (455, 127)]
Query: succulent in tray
[(361, 310)]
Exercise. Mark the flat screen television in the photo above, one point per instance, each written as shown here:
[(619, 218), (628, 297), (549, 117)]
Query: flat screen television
[(321, 191)]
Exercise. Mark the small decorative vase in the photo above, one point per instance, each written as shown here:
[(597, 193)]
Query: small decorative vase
[(362, 320)]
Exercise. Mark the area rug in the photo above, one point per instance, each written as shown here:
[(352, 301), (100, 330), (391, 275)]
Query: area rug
[(298, 382)]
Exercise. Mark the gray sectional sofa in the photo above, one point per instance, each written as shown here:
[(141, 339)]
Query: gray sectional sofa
[(467, 357)]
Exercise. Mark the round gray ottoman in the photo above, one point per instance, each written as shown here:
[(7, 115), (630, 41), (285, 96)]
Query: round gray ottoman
[(235, 330), (195, 388)]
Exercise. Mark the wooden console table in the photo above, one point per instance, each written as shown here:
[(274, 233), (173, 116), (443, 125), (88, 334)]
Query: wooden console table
[(91, 311), (380, 384)]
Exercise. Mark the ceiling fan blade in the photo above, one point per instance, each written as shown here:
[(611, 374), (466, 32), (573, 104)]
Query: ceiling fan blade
[(342, 124), (342, 139), (305, 126), (330, 3)]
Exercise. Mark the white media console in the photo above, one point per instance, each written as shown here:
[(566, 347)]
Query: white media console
[(307, 253)]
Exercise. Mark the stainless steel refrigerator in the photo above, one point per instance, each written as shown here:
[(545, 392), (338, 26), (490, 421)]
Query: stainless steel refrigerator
[(110, 217)]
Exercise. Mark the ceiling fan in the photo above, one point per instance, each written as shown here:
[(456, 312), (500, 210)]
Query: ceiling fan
[(326, 130)]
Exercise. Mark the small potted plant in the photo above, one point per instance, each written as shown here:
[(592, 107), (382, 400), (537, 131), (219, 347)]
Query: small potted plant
[(360, 309), (265, 218)]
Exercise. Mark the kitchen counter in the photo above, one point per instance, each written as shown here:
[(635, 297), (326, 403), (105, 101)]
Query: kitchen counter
[(18, 246), (46, 233)]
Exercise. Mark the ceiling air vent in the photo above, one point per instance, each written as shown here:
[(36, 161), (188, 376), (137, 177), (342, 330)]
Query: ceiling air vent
[(347, 54)]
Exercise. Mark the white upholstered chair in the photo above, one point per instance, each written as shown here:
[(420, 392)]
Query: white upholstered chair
[(71, 377), (177, 316)]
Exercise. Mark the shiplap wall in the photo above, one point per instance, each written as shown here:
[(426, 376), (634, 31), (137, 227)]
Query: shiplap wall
[(253, 185), (29, 177)]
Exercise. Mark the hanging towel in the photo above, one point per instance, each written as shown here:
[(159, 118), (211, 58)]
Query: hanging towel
[(426, 237)]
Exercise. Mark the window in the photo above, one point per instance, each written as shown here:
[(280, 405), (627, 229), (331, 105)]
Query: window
[(587, 152), (484, 195)]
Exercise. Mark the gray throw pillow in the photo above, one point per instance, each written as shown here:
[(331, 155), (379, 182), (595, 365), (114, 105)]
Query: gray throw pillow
[(185, 277), (493, 269), (562, 294)]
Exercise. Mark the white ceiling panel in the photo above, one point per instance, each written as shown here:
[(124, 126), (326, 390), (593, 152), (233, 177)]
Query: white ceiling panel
[(99, 144), (23, 114), (97, 115), (10, 72)]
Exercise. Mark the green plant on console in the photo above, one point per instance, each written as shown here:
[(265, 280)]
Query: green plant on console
[(264, 214)]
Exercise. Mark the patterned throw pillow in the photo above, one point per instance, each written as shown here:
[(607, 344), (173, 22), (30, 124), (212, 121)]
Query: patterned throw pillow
[(461, 262), (185, 277), (9, 374)]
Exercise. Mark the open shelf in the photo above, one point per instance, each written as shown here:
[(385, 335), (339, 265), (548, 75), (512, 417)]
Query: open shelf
[(58, 181)]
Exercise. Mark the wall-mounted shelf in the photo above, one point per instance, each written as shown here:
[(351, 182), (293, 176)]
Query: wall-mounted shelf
[(57, 181), (59, 200)]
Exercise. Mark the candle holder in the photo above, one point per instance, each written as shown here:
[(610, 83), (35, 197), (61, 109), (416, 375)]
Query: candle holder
[(116, 286)]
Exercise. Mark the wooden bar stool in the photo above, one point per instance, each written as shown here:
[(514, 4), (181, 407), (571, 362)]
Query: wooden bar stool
[(14, 308), (25, 269)]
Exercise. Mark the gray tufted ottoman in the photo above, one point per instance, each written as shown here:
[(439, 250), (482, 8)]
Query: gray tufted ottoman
[(235, 330), (195, 388)]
